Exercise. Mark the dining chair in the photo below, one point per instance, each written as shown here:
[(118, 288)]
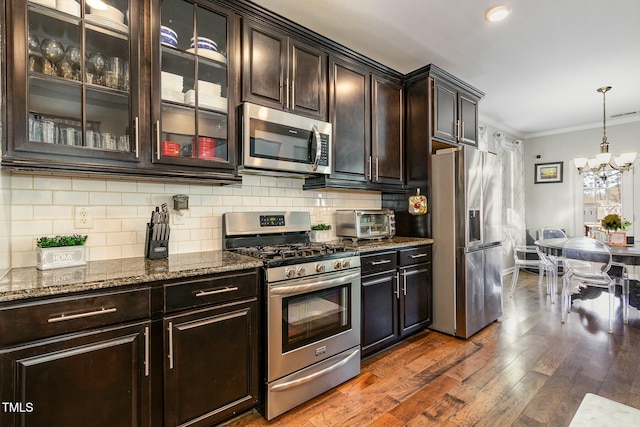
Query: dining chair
[(550, 265), (522, 258), (552, 233), (588, 262)]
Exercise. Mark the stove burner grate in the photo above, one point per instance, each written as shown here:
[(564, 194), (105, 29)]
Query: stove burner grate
[(292, 251)]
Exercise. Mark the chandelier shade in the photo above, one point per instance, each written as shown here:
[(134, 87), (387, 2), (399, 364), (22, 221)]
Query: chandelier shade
[(604, 158)]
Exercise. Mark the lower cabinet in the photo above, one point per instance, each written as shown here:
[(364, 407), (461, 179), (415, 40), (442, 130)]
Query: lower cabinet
[(98, 377), (211, 349), (396, 296), (179, 353)]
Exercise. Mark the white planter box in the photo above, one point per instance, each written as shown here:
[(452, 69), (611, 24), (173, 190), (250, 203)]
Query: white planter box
[(64, 256), (320, 235)]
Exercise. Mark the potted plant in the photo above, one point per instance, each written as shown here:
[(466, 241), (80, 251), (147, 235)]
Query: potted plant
[(61, 251), (320, 233)]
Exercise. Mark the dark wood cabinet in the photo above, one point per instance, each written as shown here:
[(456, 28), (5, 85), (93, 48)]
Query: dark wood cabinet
[(193, 115), (387, 131), (211, 348), (366, 111), (282, 72), (72, 88), (416, 299), (94, 379), (441, 111), (396, 296), (349, 112), (455, 115), (77, 361), (86, 95), (379, 301)]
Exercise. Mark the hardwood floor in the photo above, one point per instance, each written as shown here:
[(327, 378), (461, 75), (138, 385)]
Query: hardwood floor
[(526, 370)]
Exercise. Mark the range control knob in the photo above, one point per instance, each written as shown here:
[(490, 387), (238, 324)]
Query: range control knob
[(346, 263), (300, 271), (290, 273), (320, 268), (337, 265)]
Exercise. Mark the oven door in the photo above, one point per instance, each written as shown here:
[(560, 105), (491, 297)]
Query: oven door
[(312, 319)]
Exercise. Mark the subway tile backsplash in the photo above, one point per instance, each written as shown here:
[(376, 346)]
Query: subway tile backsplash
[(45, 205)]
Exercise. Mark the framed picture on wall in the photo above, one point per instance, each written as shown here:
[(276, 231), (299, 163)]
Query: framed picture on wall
[(547, 173)]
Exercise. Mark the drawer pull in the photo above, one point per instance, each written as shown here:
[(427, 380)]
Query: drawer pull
[(384, 261), (217, 291), (64, 317), (418, 256)]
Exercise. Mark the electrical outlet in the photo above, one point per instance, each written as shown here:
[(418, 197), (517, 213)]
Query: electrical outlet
[(178, 219), (83, 218)]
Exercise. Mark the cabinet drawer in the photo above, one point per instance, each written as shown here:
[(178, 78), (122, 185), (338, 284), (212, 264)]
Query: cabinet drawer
[(415, 255), (57, 316), (210, 290), (377, 262)]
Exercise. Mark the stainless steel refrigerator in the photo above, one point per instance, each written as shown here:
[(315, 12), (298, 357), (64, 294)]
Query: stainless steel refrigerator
[(466, 208)]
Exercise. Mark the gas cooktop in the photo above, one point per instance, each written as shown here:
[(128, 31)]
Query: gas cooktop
[(288, 254)]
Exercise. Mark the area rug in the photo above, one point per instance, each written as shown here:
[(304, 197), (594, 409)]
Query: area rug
[(596, 411)]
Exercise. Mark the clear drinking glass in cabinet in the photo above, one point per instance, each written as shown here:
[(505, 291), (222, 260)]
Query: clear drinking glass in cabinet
[(193, 82), (78, 74)]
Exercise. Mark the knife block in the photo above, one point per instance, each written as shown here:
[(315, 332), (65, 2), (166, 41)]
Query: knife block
[(155, 249)]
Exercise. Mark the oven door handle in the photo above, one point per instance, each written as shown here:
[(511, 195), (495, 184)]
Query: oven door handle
[(314, 286), (308, 378)]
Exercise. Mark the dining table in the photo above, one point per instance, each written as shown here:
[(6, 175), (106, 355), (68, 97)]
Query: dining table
[(628, 254)]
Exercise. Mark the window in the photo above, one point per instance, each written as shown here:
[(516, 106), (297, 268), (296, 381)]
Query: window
[(602, 193)]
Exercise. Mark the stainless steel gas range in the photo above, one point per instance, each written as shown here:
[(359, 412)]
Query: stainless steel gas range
[(312, 305)]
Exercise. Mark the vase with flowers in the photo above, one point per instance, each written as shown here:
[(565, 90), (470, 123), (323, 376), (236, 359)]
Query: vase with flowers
[(612, 223)]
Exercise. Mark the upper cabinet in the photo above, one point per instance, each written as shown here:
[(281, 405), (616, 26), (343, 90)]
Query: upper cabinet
[(386, 131), (72, 86), (455, 114), (193, 119), (281, 72), (366, 112)]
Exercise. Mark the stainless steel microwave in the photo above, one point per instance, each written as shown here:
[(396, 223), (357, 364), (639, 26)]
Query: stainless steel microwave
[(277, 141), (365, 224)]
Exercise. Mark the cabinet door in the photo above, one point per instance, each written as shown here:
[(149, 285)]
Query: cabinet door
[(192, 122), (445, 107), (379, 311), (72, 83), (386, 129), (264, 68), (468, 110), (349, 111), (211, 368), (416, 298), (308, 75), (90, 379)]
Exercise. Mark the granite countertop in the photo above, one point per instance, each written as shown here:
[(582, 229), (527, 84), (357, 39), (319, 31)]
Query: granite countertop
[(29, 282), (396, 242)]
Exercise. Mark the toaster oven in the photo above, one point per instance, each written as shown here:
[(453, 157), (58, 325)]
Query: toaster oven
[(365, 224)]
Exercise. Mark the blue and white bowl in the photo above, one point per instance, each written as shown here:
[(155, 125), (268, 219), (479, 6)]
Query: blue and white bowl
[(168, 40), (205, 41), (168, 31), (206, 46)]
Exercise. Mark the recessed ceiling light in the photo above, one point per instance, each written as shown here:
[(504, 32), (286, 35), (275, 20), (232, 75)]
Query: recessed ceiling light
[(497, 13)]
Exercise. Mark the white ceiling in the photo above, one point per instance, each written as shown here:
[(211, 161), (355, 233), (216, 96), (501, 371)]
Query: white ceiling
[(539, 68)]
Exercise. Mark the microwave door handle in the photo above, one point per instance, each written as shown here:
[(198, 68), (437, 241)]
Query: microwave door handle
[(316, 134)]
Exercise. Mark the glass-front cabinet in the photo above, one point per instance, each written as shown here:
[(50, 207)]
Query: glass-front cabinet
[(72, 79), (191, 97)]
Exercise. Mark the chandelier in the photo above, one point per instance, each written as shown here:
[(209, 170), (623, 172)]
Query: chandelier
[(603, 159)]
